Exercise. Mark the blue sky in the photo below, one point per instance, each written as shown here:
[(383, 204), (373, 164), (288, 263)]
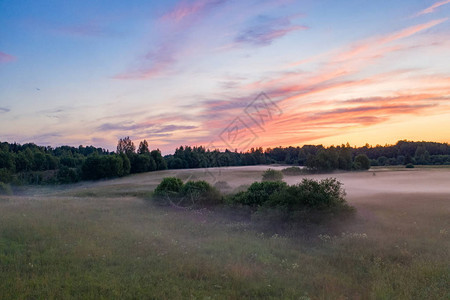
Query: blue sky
[(179, 72)]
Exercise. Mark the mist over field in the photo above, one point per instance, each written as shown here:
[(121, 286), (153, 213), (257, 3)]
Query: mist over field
[(107, 239)]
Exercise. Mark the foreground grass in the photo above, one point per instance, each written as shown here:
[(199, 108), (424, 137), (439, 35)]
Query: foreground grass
[(102, 246)]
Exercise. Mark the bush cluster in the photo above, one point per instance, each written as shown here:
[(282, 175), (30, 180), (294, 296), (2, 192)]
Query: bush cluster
[(303, 201), (309, 195), (198, 193)]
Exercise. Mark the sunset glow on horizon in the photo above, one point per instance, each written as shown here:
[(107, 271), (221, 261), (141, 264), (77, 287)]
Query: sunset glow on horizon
[(181, 72)]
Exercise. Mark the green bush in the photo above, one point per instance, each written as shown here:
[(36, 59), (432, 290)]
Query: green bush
[(272, 175), (5, 189), (258, 193), (294, 201), (169, 190), (292, 171), (200, 193), (169, 186), (310, 194), (409, 166)]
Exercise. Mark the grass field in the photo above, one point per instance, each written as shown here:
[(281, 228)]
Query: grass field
[(106, 240)]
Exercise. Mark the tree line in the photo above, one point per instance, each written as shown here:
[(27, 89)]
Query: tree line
[(32, 164), (315, 157)]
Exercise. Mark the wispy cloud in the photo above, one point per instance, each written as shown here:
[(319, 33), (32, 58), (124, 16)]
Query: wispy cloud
[(411, 30), (178, 21), (4, 110), (153, 64), (266, 30), (170, 128), (184, 9), (308, 122), (123, 126), (5, 57), (338, 66), (362, 111), (432, 8), (339, 71), (144, 126)]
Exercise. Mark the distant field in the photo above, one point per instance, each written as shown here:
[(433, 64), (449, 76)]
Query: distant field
[(107, 240)]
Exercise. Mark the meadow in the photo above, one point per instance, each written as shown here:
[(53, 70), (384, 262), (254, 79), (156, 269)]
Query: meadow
[(107, 239)]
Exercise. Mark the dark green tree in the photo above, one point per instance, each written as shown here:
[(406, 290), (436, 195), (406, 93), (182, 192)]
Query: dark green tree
[(126, 146), (143, 147), (159, 160), (7, 161), (362, 162)]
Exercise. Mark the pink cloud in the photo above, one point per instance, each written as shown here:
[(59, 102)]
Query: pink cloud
[(5, 57), (164, 59), (184, 9), (338, 72), (154, 64), (432, 8), (411, 30), (341, 64)]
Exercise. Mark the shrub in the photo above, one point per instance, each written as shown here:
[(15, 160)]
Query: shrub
[(272, 175), (325, 194), (258, 193), (292, 171), (5, 189), (295, 201), (169, 186), (409, 166), (200, 193)]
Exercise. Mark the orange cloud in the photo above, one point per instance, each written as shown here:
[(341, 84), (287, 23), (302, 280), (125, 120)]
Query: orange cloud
[(315, 103)]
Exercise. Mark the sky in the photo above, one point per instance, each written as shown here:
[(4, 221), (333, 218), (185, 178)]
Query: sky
[(224, 74)]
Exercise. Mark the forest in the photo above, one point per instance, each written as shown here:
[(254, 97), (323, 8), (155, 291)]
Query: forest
[(33, 164)]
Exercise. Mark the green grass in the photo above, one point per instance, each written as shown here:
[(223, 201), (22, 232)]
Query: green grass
[(103, 241)]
